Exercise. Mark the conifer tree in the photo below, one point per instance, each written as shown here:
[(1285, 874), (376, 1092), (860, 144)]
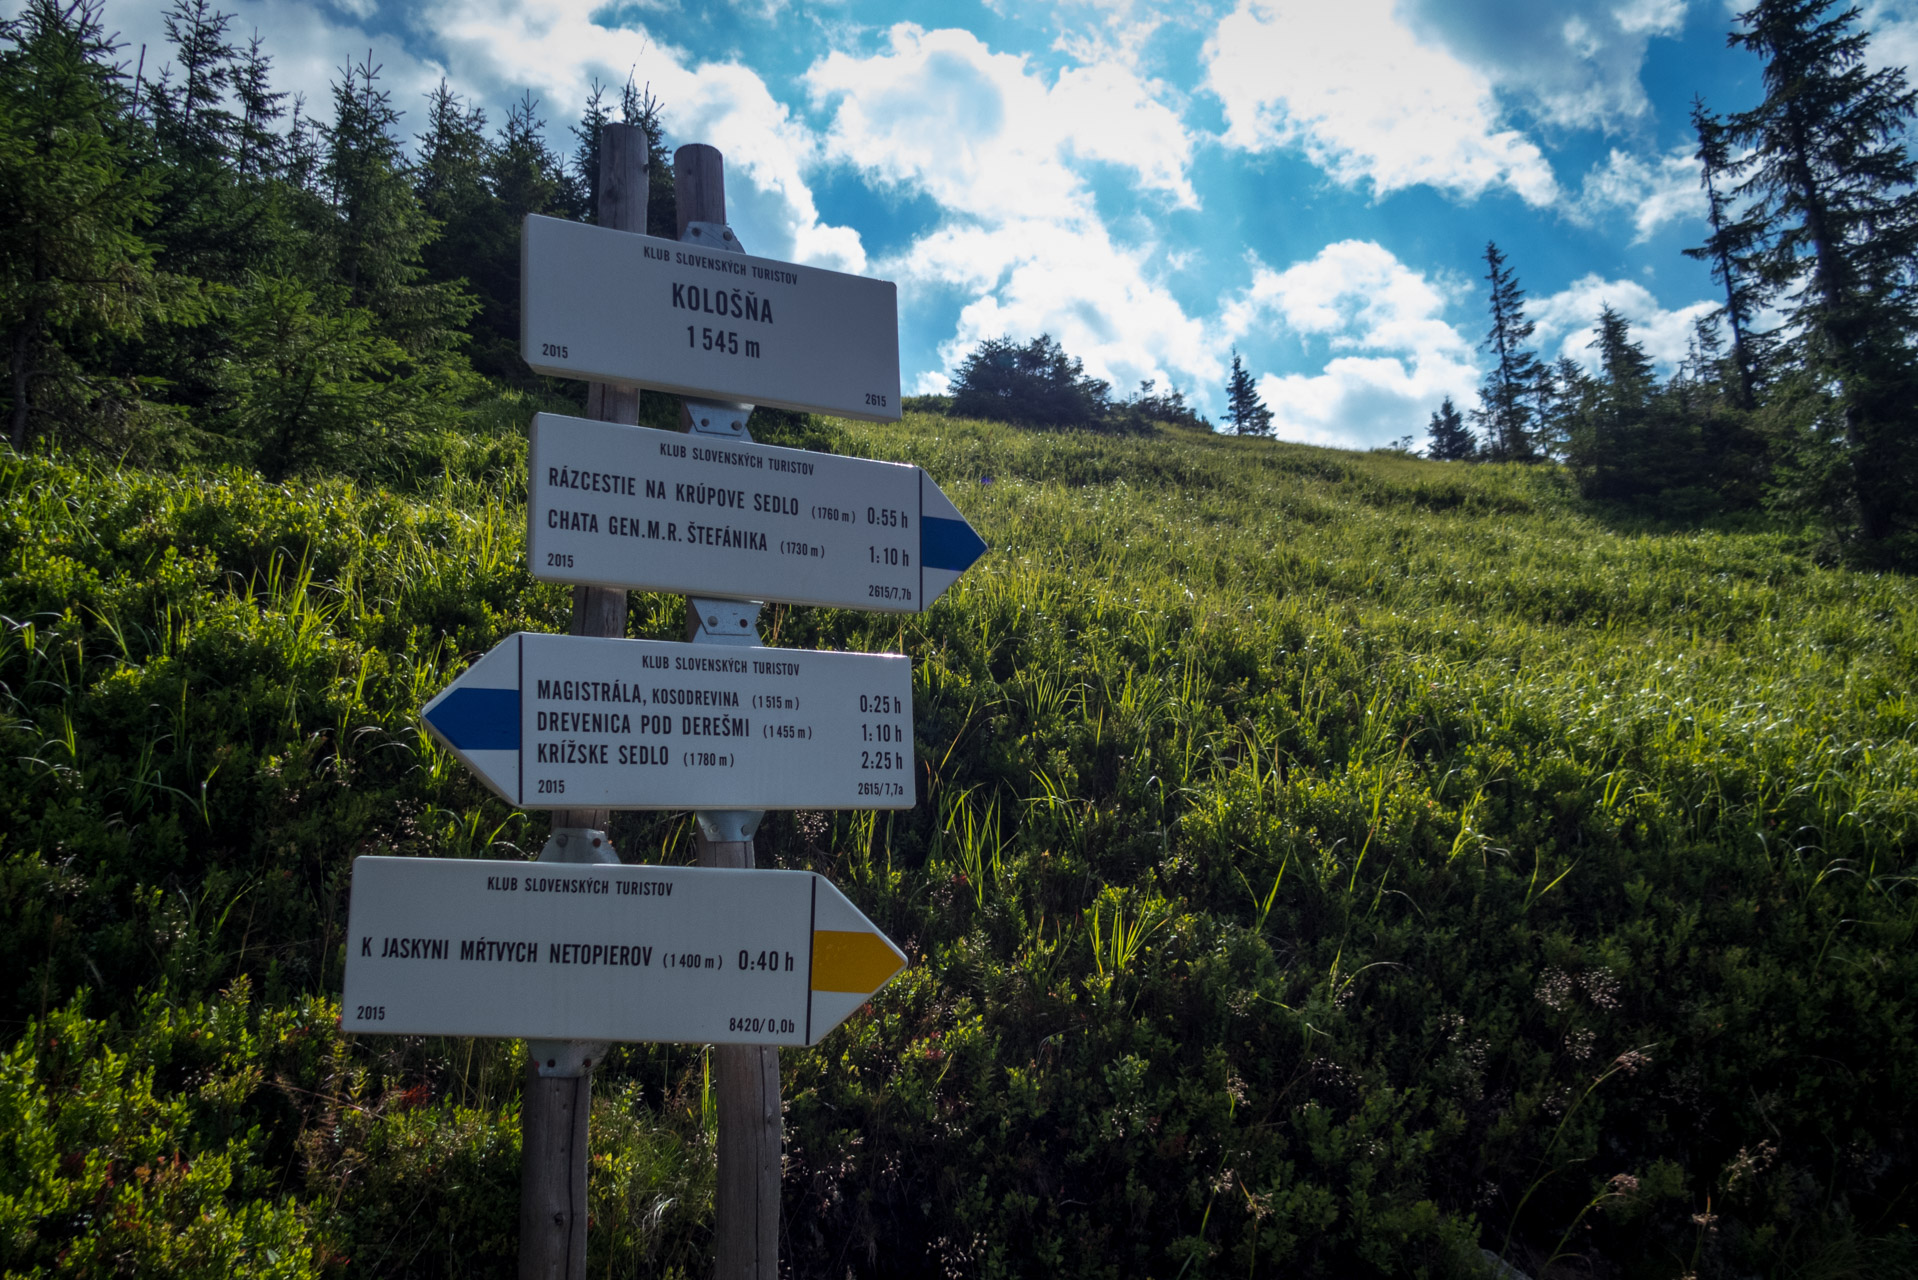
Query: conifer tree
[(450, 179), (74, 263), (1506, 413), (195, 121), (1448, 438), (1830, 174), (1037, 383), (257, 146), (585, 164), (1735, 239), (1244, 409), (376, 226)]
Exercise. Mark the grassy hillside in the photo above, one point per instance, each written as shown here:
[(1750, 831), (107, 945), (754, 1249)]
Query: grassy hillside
[(1326, 863)]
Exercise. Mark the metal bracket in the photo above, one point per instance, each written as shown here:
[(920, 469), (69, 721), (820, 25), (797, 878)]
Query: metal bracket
[(566, 1059), (728, 826), (714, 235), (724, 621), (719, 418), (578, 844), (716, 417)]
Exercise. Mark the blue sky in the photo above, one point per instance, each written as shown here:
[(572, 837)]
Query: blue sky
[(1309, 182)]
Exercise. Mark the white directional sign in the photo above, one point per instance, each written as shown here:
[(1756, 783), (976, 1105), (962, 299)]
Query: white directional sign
[(618, 307), (552, 722), (653, 510), (564, 951)]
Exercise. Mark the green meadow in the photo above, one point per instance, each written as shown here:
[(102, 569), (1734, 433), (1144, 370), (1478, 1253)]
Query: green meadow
[(1325, 864)]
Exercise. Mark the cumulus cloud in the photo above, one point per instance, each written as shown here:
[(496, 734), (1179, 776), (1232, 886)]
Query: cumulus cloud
[(1095, 296), (1574, 64), (1649, 190), (1894, 34), (1000, 150), (1565, 319), (1398, 356), (1367, 100), (983, 134)]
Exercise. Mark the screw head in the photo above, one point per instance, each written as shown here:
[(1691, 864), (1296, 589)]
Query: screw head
[(742, 622), (705, 422), (712, 622), (552, 1062), (729, 233)]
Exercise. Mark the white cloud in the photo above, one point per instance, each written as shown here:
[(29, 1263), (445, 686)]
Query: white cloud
[(1565, 320), (999, 149), (1403, 358), (1650, 190), (982, 134), (1574, 63), (1096, 297), (1894, 34), (1366, 99)]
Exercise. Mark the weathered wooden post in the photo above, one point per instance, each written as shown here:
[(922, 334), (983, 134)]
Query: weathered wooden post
[(559, 1074)]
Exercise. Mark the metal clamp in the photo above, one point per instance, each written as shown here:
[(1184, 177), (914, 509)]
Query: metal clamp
[(729, 826), (714, 235), (578, 844), (724, 621), (719, 418), (566, 1059)]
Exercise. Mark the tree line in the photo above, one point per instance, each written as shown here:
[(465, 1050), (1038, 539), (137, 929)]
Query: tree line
[(194, 265), (1799, 392)]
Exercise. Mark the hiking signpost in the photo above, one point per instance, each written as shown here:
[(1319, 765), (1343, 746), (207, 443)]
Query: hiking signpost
[(577, 950)]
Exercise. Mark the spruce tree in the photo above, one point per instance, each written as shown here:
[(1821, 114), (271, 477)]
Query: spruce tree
[(256, 146), (75, 266), (1735, 240), (450, 179), (195, 121), (1829, 172), (1244, 409), (1448, 438), (1506, 412), (375, 225)]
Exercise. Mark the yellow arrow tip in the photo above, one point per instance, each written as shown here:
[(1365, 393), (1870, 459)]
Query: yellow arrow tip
[(857, 962)]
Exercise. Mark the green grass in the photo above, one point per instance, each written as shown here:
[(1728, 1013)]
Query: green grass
[(1326, 863)]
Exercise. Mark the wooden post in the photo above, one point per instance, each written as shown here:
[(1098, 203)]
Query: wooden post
[(555, 1108), (746, 1076)]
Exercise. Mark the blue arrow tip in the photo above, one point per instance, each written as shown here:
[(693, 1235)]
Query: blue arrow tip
[(949, 544), (477, 719)]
